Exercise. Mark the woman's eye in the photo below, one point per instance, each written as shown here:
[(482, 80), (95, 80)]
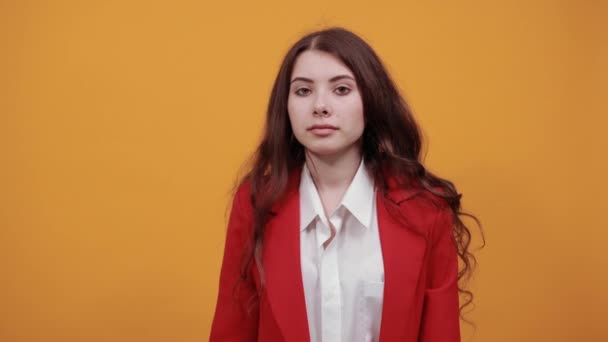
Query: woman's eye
[(342, 90), (299, 91)]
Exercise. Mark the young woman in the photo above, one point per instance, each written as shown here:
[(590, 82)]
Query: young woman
[(338, 232)]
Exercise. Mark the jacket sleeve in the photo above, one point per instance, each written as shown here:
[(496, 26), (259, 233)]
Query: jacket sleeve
[(231, 320), (440, 314)]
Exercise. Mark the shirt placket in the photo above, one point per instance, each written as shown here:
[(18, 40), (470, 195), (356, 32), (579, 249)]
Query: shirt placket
[(331, 296)]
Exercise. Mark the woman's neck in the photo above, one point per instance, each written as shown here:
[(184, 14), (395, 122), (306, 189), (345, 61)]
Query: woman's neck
[(335, 172)]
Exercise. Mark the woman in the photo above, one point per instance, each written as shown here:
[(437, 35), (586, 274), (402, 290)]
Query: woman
[(338, 232)]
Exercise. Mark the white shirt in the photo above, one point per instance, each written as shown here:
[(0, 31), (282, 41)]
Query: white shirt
[(344, 283)]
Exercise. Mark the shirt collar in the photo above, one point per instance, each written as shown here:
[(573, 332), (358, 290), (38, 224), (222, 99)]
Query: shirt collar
[(310, 202), (358, 198)]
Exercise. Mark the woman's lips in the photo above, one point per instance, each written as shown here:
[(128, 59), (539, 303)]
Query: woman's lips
[(322, 130)]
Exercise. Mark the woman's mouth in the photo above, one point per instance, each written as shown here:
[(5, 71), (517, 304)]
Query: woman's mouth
[(322, 130)]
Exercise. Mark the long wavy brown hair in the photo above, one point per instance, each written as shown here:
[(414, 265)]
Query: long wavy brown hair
[(391, 142)]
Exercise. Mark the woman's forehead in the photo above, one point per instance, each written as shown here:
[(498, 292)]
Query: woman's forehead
[(319, 66)]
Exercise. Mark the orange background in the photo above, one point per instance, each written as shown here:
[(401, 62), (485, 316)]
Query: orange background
[(123, 124)]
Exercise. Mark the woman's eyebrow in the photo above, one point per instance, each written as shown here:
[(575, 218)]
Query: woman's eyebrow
[(333, 79)]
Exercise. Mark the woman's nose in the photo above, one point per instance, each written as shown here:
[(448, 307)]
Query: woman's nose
[(321, 108)]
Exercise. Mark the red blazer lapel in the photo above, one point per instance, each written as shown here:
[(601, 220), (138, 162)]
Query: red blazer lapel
[(281, 258), (403, 254)]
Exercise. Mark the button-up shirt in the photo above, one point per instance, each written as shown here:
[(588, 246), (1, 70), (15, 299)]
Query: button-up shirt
[(344, 282)]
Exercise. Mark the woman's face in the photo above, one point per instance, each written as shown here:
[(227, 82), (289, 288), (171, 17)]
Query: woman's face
[(324, 105)]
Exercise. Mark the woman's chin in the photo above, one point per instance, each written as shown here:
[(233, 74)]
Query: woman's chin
[(326, 151)]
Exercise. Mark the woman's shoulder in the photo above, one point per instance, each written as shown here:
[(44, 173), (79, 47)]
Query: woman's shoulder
[(423, 209), (242, 194), (243, 188), (409, 190), (432, 201)]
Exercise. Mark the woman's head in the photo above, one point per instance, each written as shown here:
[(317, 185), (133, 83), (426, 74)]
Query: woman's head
[(333, 77), (367, 107), (324, 105)]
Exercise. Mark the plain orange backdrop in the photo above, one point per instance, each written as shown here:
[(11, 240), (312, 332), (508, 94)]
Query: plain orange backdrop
[(123, 125)]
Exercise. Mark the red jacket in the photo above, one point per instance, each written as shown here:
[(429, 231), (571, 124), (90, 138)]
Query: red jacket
[(420, 271)]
